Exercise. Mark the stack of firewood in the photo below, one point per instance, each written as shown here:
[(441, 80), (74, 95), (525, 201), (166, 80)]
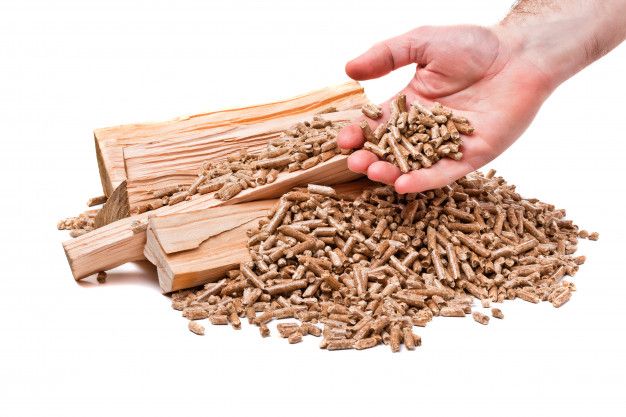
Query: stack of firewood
[(142, 166)]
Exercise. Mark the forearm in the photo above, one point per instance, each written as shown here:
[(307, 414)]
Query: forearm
[(560, 37)]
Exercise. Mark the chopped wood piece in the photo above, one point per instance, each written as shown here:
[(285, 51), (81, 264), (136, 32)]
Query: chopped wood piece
[(136, 152), (116, 244)]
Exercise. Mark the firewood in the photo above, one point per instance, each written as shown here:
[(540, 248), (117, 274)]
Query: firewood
[(185, 231), (197, 247), (197, 130), (123, 241), (163, 164), (209, 262), (115, 208)]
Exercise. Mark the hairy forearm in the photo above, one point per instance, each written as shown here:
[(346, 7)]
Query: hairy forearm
[(560, 37)]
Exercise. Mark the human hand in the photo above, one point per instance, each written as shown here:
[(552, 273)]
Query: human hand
[(483, 74)]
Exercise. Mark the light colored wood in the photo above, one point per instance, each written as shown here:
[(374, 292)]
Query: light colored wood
[(208, 262), (212, 248), (115, 208), (157, 165), (111, 141), (185, 231), (116, 243)]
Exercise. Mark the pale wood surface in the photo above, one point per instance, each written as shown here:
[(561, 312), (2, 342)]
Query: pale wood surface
[(188, 264), (111, 141), (116, 244), (208, 262), (184, 231), (116, 207), (156, 165)]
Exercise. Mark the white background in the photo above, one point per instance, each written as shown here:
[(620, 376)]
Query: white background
[(67, 67)]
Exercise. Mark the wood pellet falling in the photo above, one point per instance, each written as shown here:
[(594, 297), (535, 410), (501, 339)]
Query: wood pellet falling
[(355, 265)]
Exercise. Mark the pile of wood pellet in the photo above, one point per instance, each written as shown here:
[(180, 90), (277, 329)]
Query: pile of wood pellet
[(79, 225), (365, 271), (415, 137), (299, 148)]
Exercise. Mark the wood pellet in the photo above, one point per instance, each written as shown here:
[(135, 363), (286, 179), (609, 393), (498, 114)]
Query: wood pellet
[(79, 225), (101, 277), (414, 136), (196, 328), (360, 272)]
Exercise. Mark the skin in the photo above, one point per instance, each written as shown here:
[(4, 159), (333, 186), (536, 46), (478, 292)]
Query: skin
[(497, 77)]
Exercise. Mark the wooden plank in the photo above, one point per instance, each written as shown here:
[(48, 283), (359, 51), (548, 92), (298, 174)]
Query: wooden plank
[(212, 249), (207, 263), (185, 231), (116, 243), (111, 141), (161, 164)]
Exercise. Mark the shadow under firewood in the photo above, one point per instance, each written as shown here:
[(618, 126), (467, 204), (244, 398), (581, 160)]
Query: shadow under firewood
[(145, 274)]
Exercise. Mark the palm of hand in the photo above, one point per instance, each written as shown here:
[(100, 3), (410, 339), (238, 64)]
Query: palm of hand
[(472, 70)]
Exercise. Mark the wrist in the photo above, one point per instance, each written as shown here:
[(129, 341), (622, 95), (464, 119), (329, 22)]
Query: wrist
[(561, 40), (546, 52), (519, 47)]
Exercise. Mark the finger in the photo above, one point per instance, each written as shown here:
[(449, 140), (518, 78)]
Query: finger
[(350, 137), (389, 55), (384, 172), (442, 173), (360, 161)]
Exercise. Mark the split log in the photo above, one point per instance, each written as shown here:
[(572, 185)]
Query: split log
[(162, 164), (115, 208), (190, 249), (111, 141), (123, 241), (185, 231), (216, 252)]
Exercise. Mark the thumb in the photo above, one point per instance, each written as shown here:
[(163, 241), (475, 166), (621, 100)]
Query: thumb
[(389, 55)]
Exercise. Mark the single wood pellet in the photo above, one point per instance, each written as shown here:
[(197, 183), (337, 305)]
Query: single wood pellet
[(196, 328), (480, 317), (96, 201), (497, 313), (101, 277), (295, 337), (359, 272), (414, 136), (372, 111)]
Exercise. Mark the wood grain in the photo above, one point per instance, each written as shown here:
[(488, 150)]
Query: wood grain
[(111, 141), (185, 231), (116, 243), (161, 164), (115, 208), (207, 263)]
